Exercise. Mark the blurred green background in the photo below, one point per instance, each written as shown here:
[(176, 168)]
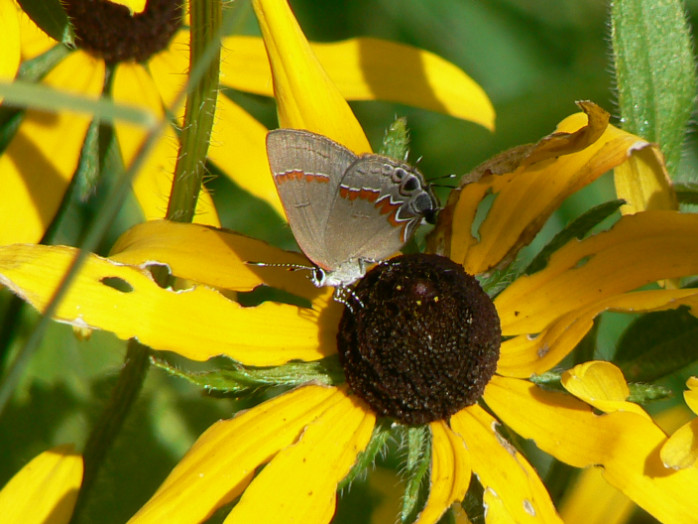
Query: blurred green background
[(534, 58)]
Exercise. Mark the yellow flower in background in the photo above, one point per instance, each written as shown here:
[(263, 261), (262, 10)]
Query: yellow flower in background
[(310, 437), (9, 55), (150, 70), (45, 490), (681, 450)]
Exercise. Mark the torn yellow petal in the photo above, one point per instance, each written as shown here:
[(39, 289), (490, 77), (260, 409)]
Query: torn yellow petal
[(135, 6), (602, 385), (531, 188), (45, 490), (39, 162), (450, 472), (214, 257), (304, 476), (681, 450), (223, 460), (625, 444), (152, 185), (592, 500), (643, 181), (371, 69), (306, 96), (9, 41), (638, 250), (502, 469), (238, 148), (524, 355), (197, 323), (691, 395), (495, 510)]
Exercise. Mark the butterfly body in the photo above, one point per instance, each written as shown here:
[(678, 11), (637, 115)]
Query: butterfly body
[(345, 211)]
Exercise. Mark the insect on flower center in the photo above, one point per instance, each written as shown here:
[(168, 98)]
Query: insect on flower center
[(424, 344), (110, 32)]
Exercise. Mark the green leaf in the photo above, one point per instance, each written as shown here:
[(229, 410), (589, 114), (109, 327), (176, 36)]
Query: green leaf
[(382, 433), (232, 378), (658, 344), (578, 228), (644, 393), (418, 460), (655, 71), (50, 16), (38, 96), (687, 192)]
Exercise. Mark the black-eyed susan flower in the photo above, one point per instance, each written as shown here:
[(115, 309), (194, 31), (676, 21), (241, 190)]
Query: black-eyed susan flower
[(309, 438), (45, 490), (149, 69)]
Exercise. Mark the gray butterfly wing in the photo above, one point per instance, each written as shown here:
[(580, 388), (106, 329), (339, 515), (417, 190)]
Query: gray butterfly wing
[(377, 207), (307, 169)]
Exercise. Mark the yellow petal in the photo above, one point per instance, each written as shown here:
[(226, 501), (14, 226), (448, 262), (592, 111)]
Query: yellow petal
[(639, 249), (371, 69), (152, 185), (681, 450), (625, 444), (591, 500), (39, 162), (495, 510), (9, 41), (45, 490), (304, 476), (502, 469), (197, 323), (643, 181), (306, 96), (214, 257), (529, 183), (691, 396), (223, 460), (169, 71), (450, 472), (238, 148), (135, 6), (602, 385), (524, 355)]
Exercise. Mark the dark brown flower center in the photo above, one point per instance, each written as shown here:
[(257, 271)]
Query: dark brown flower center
[(423, 343), (109, 31)]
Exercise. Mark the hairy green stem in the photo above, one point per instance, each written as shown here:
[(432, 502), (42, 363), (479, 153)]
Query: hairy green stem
[(198, 121)]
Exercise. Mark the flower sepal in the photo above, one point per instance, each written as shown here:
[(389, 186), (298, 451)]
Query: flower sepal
[(50, 16), (232, 378)]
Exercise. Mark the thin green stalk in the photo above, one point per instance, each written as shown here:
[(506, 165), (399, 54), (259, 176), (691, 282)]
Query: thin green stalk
[(198, 121), (199, 112)]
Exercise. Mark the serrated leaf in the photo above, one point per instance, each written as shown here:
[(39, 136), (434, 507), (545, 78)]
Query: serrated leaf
[(236, 379), (655, 71), (50, 16), (578, 228), (658, 344)]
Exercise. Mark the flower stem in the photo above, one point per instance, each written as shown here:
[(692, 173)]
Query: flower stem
[(200, 109), (123, 396), (198, 121)]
